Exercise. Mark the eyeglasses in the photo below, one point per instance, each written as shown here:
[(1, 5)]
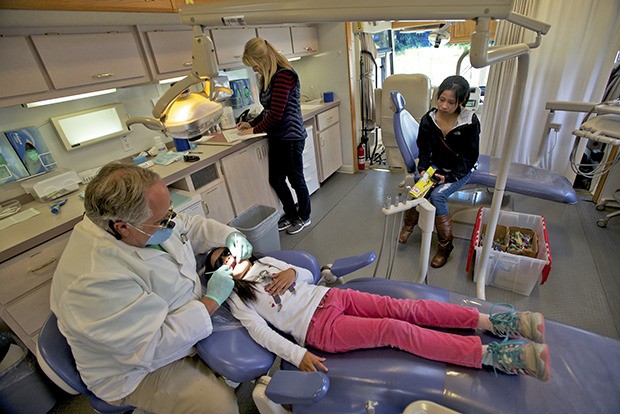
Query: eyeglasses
[(166, 223), (219, 262)]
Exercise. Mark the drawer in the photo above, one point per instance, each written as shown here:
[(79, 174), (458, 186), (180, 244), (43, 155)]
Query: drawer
[(327, 118), (31, 311), (31, 268)]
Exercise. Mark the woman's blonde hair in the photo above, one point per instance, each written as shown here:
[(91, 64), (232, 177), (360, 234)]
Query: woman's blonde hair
[(260, 53)]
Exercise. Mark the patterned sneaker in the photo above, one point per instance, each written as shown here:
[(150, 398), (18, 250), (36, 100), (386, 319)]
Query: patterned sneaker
[(284, 224), (515, 357), (530, 325), (297, 226)]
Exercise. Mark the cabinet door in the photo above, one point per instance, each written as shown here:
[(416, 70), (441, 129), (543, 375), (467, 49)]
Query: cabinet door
[(305, 40), (171, 50), (30, 269), (92, 58), (330, 150), (246, 178), (19, 73), (279, 37), (229, 44), (216, 203)]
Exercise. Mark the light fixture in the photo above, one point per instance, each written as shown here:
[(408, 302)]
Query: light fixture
[(68, 98), (181, 113), (438, 38), (293, 59), (170, 80)]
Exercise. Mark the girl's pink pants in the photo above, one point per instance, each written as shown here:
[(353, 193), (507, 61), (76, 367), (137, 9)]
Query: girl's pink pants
[(348, 319)]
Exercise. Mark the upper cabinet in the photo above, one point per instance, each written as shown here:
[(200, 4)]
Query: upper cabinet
[(229, 44), (305, 40), (170, 52), (93, 58), (161, 6), (19, 73), (279, 37)]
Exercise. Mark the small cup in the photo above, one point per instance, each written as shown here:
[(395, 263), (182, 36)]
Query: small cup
[(328, 97)]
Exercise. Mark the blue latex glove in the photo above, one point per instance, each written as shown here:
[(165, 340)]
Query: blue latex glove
[(239, 246), (220, 285)]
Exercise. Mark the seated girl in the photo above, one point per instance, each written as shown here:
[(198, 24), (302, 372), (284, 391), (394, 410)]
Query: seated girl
[(268, 292)]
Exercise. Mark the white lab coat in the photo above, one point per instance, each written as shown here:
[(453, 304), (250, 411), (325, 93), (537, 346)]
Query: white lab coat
[(127, 311), (292, 317)]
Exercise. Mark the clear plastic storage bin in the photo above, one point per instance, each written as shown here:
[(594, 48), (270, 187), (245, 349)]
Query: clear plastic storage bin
[(517, 273)]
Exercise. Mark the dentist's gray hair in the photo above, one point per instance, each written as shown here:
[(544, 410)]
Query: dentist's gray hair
[(118, 193)]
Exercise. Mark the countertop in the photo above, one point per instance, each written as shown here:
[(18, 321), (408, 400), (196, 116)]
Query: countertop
[(27, 234)]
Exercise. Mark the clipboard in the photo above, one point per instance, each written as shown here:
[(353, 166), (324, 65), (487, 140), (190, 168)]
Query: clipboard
[(229, 137)]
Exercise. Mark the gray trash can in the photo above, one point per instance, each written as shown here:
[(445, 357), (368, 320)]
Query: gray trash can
[(23, 387), (260, 226)]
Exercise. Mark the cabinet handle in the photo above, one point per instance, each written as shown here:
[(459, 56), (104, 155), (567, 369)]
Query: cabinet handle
[(322, 142), (329, 118), (308, 49), (238, 56), (206, 207), (187, 64), (35, 269), (103, 75)]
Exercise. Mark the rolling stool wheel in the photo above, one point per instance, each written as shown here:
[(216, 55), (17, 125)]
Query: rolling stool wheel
[(601, 223), (600, 207)]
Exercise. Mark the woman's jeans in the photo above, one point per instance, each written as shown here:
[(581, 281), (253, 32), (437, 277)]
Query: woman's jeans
[(286, 161), (348, 320), (438, 196)]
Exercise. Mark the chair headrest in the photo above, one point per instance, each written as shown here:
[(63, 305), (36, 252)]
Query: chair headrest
[(398, 101)]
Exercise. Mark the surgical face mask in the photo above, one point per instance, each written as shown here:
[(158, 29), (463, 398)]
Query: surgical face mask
[(160, 236), (33, 155)]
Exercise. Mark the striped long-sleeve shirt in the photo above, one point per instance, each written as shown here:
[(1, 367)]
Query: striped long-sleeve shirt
[(281, 117)]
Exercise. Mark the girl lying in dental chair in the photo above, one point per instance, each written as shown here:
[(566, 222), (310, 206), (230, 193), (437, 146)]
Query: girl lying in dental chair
[(268, 292)]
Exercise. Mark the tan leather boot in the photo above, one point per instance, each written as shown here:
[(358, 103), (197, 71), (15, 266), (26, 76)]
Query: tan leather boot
[(410, 219), (443, 224)]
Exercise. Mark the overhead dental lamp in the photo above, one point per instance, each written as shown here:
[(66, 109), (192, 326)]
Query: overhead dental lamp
[(181, 112)]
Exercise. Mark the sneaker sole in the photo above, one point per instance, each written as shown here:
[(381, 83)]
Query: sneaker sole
[(300, 229), (543, 365), (283, 228)]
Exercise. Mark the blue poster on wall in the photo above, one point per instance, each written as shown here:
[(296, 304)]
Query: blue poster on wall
[(11, 167), (31, 150)]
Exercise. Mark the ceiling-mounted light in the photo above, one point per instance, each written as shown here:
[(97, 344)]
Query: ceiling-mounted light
[(440, 36), (68, 98)]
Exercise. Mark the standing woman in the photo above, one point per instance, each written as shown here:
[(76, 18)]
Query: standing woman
[(448, 140), (282, 121)]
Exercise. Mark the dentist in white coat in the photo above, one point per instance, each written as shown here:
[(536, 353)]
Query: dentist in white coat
[(129, 300)]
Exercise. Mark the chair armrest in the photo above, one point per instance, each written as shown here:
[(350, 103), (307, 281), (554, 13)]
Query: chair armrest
[(346, 265), (296, 387)]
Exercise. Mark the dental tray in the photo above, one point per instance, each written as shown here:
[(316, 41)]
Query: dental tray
[(9, 208)]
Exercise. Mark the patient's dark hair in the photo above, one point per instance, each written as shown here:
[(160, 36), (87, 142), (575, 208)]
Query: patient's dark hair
[(245, 289), (459, 86)]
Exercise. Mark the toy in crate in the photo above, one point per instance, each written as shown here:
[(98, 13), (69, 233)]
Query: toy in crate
[(527, 254)]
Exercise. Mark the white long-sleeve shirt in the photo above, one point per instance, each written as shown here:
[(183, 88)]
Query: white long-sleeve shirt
[(290, 313), (127, 311)]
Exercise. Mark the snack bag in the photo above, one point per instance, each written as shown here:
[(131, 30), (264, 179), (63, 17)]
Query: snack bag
[(424, 184)]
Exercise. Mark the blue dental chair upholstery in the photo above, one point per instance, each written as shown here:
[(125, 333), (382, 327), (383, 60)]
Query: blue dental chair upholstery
[(522, 178), (581, 381), (54, 353)]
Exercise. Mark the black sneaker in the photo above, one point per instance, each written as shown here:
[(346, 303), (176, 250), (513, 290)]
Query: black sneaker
[(298, 226), (284, 224)]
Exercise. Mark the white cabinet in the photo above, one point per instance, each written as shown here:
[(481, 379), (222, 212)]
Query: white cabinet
[(311, 174), (279, 37), (19, 73), (209, 183), (246, 174), (73, 60), (329, 147), (170, 52), (229, 44), (25, 281), (305, 40)]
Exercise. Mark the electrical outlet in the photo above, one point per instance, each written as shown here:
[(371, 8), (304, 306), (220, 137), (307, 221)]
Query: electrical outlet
[(126, 144)]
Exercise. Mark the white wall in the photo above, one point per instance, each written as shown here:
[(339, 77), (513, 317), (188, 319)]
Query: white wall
[(137, 101), (328, 71)]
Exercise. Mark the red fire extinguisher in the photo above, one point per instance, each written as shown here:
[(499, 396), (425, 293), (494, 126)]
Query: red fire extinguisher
[(361, 156)]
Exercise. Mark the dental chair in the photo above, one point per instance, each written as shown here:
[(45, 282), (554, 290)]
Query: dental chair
[(522, 178), (583, 379)]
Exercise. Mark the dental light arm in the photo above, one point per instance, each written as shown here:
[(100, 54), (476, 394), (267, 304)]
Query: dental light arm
[(183, 114)]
